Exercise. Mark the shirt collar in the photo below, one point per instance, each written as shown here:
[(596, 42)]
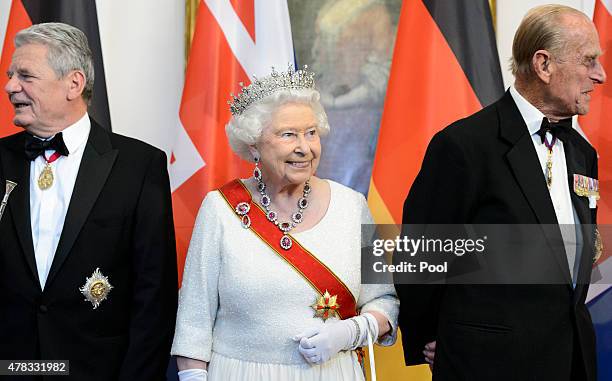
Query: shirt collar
[(76, 134), (531, 115)]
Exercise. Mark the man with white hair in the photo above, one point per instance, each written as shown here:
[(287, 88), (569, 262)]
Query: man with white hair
[(516, 162), (87, 252)]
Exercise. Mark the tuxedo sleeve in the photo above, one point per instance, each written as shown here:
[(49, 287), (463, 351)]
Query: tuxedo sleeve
[(155, 284), (440, 194)]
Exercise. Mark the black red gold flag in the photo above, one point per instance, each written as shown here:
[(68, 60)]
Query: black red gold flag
[(445, 67), (81, 14)]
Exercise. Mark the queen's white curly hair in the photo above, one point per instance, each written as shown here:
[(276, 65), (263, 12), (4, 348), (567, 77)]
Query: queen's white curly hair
[(244, 130)]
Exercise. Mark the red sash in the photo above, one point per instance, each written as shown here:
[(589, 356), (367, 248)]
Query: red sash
[(320, 277)]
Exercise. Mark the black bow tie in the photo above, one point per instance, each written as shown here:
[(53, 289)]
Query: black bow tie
[(34, 147), (560, 129)]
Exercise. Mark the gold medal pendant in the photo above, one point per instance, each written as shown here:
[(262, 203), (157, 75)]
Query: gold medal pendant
[(549, 163), (549, 172), (45, 180)]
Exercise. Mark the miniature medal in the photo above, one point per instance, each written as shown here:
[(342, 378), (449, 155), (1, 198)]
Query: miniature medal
[(586, 187)]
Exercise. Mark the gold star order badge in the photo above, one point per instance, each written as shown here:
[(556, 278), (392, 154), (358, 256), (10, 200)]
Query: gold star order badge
[(96, 288), (326, 306)]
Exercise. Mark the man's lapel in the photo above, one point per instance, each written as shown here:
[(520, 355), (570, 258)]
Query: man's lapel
[(96, 164), (576, 164), (524, 163), (16, 168)]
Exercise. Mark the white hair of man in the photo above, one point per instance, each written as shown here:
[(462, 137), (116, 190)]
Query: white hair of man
[(68, 50), (245, 129), (541, 28)]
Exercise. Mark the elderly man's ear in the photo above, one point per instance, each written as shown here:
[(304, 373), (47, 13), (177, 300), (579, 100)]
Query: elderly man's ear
[(76, 84), (542, 65)]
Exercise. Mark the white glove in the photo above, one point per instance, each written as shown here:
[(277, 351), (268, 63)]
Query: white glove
[(319, 344), (193, 375)]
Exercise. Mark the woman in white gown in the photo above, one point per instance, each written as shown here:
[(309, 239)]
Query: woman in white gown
[(272, 282)]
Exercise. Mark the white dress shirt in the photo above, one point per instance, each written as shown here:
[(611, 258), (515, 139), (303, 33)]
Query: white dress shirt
[(559, 190), (48, 207)]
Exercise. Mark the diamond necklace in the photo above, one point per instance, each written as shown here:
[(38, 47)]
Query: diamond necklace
[(285, 242)]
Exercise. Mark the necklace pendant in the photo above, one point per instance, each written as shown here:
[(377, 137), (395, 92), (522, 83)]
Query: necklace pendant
[(45, 179), (286, 242)]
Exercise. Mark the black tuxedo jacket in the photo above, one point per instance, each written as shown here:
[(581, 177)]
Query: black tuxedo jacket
[(119, 220), (484, 170)]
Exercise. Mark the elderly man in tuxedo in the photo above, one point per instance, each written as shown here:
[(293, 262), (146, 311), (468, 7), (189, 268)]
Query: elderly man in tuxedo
[(87, 251), (518, 161)]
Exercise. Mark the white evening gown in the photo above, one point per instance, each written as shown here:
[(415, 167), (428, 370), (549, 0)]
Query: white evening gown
[(240, 303)]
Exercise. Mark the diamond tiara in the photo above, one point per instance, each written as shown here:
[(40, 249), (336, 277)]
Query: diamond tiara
[(261, 88)]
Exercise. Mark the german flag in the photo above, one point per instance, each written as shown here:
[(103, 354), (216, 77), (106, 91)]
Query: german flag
[(445, 67), (81, 14)]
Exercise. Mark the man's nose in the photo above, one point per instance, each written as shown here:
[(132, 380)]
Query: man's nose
[(599, 74), (12, 85)]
